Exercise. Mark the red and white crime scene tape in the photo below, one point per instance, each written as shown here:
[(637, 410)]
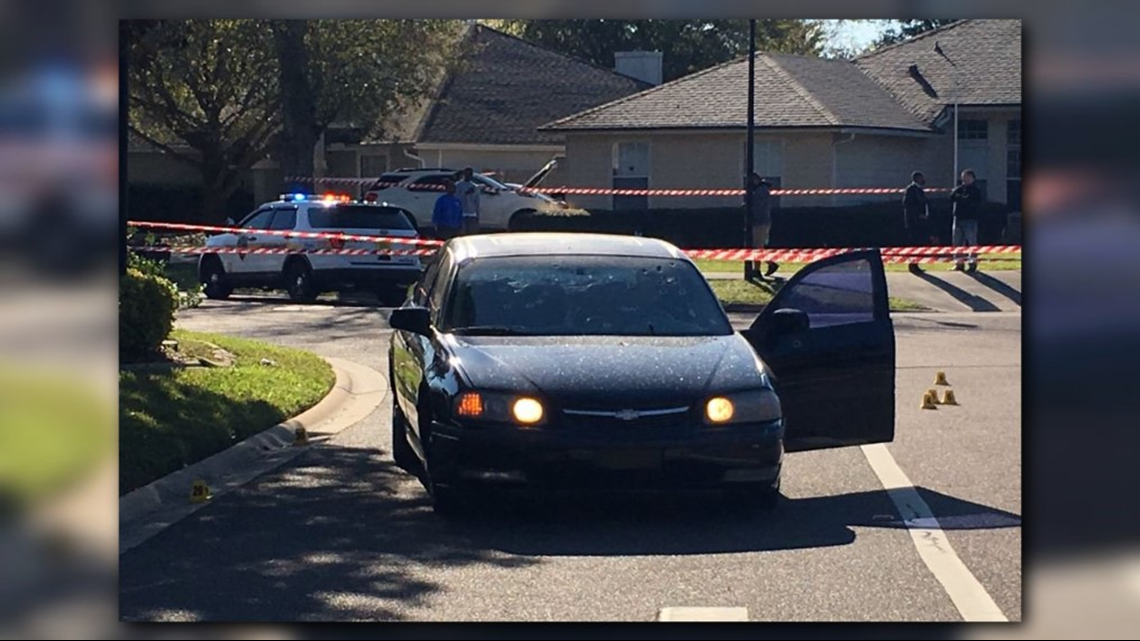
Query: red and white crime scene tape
[(284, 233), (607, 191), (428, 247), (739, 255)]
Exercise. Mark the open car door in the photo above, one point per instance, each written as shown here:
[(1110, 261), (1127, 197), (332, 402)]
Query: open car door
[(828, 339)]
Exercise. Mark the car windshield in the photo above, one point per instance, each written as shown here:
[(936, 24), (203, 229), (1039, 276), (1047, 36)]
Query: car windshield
[(489, 182), (582, 295)]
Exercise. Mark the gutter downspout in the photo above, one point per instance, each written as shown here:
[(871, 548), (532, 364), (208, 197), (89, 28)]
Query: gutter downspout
[(408, 154), (835, 164), (954, 179)]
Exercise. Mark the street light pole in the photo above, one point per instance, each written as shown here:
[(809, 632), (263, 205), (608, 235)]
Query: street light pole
[(748, 187)]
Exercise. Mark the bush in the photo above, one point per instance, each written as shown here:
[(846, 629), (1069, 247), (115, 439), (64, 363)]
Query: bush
[(146, 314), (181, 203), (867, 225)]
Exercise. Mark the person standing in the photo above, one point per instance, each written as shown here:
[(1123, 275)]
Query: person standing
[(916, 214), (967, 199), (761, 219), (448, 213), (468, 192)]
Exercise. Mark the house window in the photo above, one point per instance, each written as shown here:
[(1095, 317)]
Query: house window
[(631, 171), (973, 129), (371, 166), (1013, 164)]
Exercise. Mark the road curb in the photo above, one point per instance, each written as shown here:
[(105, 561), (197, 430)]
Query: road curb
[(144, 512)]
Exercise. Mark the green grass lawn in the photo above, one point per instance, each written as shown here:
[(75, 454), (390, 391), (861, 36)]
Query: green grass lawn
[(741, 292), (1002, 262), (53, 431), (171, 419)]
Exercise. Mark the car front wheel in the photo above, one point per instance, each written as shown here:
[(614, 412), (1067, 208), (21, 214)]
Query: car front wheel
[(213, 279), (764, 497), (402, 452), (299, 282)]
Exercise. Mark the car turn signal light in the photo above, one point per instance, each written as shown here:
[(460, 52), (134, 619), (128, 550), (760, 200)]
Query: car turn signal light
[(471, 404)]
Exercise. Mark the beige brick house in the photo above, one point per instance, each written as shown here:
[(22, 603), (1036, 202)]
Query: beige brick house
[(820, 123)]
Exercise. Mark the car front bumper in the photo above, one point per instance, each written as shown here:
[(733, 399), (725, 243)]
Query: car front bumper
[(562, 459)]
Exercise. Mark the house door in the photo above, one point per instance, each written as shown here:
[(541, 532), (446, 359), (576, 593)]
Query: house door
[(631, 171)]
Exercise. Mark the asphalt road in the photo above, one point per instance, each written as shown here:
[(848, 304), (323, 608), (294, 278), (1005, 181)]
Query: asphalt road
[(340, 534)]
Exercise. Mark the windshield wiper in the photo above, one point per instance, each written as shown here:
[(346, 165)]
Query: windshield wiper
[(487, 330)]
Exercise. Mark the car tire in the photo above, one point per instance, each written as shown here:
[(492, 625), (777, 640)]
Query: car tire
[(213, 278), (448, 502), (402, 452), (299, 282), (520, 220), (755, 496)]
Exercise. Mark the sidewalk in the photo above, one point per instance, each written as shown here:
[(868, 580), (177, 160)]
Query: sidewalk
[(945, 291)]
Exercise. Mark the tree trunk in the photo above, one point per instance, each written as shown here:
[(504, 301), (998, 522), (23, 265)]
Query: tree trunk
[(218, 184), (299, 130)]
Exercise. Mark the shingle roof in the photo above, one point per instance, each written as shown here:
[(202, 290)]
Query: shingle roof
[(507, 87), (791, 91), (984, 56)]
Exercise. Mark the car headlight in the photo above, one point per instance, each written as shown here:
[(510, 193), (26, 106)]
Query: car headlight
[(497, 407), (760, 406)]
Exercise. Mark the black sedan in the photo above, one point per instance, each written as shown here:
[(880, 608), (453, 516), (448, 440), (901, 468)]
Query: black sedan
[(583, 362)]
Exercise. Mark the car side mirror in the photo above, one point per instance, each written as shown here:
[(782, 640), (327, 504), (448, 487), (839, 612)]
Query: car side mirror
[(786, 322), (781, 324), (230, 222), (411, 319)]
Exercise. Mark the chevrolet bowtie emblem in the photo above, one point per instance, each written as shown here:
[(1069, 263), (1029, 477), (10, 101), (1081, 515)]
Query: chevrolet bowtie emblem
[(628, 415)]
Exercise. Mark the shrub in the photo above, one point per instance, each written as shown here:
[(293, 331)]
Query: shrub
[(146, 314)]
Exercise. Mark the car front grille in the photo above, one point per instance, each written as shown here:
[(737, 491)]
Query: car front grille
[(632, 418)]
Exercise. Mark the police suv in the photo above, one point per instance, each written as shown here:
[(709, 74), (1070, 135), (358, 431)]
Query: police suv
[(234, 261)]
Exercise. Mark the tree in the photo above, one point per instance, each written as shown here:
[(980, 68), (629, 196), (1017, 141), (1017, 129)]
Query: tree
[(234, 90), (906, 29), (355, 72), (688, 45), (210, 84)]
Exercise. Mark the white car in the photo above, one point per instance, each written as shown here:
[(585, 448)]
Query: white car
[(416, 190), (305, 275)]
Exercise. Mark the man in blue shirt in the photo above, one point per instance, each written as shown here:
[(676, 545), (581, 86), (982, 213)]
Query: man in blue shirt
[(448, 214)]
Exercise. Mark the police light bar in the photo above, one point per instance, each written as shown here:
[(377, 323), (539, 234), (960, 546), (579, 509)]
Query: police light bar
[(329, 197)]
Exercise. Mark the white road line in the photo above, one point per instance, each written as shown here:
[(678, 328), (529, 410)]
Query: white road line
[(703, 614), (963, 588)]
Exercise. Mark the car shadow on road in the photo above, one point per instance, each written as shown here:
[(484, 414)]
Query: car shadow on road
[(269, 298), (700, 523), (341, 534)]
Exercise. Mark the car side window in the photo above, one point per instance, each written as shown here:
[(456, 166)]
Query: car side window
[(258, 220), (840, 294), (428, 183), (420, 295), (438, 288), (284, 218)]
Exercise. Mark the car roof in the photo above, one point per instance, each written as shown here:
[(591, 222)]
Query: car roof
[(561, 244)]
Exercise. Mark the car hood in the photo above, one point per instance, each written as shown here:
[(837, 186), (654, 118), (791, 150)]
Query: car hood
[(607, 369)]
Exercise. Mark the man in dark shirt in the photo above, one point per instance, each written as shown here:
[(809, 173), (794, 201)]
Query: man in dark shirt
[(761, 194), (916, 213), (447, 216), (967, 199)]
